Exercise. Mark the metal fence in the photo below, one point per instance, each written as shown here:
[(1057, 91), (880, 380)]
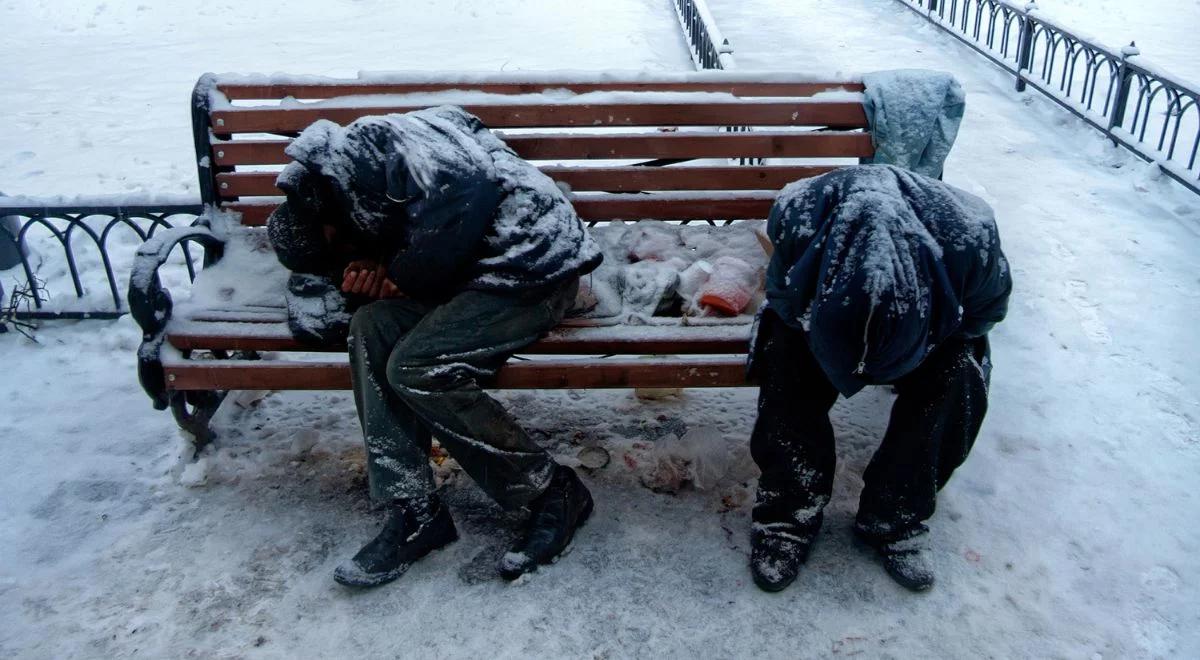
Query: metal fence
[(82, 237), (709, 49), (1138, 106)]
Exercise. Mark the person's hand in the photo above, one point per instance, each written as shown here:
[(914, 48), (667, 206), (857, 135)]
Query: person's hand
[(358, 277), (390, 290), (368, 279)]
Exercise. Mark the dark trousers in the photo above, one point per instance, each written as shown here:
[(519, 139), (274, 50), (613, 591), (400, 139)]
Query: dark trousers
[(935, 419), (418, 371)]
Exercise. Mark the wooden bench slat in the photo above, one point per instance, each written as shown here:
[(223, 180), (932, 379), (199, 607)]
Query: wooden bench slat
[(633, 207), (612, 179), (748, 205), (615, 340), (323, 90), (533, 374), (761, 144), (799, 112), (255, 316), (636, 179)]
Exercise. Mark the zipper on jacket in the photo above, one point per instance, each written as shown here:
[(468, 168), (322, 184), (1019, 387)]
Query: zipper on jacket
[(862, 361)]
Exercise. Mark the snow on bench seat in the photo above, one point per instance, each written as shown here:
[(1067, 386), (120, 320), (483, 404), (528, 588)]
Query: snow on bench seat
[(267, 331)]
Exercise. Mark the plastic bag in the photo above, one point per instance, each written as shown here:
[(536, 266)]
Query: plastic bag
[(731, 286)]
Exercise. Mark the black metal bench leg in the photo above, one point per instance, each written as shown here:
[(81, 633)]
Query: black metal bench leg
[(193, 411)]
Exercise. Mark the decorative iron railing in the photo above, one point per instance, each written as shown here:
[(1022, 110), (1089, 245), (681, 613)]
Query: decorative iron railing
[(88, 249), (1139, 107), (709, 49)]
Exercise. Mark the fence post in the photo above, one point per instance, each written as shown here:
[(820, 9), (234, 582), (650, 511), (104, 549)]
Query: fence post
[(1025, 45), (1124, 78)]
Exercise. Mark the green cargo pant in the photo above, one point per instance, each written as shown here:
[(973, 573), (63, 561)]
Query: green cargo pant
[(417, 370)]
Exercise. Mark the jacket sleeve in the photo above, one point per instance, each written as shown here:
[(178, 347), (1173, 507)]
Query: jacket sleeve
[(986, 300), (443, 238)]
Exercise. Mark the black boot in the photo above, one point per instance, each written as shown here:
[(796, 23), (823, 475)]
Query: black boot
[(554, 517), (777, 549), (414, 528), (908, 560)]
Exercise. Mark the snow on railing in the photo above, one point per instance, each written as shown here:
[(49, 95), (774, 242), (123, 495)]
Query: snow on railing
[(710, 50), (1152, 113), (79, 246)]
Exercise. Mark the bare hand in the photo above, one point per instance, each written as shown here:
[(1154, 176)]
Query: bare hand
[(368, 279), (390, 290)]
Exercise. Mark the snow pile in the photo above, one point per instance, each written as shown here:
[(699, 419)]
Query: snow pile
[(247, 276)]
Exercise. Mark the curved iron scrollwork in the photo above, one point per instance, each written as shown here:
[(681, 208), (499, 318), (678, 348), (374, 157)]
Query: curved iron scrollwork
[(150, 305), (1138, 106), (81, 227)]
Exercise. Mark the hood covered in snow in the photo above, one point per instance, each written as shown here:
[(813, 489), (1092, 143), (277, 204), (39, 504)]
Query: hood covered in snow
[(878, 266), (445, 203), (377, 163)]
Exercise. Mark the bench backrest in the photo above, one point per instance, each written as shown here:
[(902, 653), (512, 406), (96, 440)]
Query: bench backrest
[(641, 147)]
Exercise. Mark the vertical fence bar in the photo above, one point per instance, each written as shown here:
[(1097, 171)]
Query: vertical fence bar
[(1116, 118)]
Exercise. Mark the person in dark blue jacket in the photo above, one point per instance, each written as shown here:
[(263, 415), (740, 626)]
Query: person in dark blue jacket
[(460, 254), (879, 276)]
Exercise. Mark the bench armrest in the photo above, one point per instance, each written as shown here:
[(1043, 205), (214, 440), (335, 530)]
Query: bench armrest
[(150, 304)]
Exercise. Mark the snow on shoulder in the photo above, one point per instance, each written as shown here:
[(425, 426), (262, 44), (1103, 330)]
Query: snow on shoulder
[(889, 209)]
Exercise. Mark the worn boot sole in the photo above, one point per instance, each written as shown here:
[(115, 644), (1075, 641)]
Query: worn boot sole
[(511, 574), (351, 576)]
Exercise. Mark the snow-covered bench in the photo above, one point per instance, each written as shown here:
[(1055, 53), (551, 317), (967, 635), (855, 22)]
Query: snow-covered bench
[(629, 147)]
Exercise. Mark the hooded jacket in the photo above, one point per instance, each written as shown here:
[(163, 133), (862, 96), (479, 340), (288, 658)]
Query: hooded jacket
[(434, 196), (877, 266)]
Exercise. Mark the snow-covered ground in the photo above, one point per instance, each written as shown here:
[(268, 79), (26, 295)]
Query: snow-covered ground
[(1071, 532), (96, 93)]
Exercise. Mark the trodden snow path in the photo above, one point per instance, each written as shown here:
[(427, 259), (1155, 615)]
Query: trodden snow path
[(1070, 532)]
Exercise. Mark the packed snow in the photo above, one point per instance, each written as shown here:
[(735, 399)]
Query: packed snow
[(1071, 531)]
